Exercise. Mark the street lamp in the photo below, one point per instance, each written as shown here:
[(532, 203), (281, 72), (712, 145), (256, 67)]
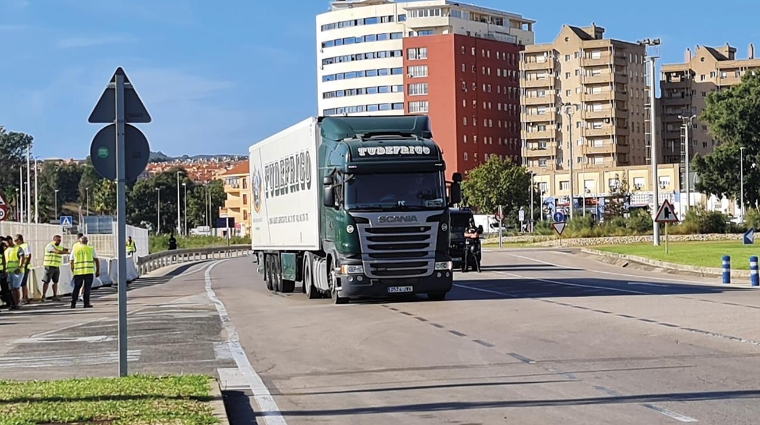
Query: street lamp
[(158, 210), (569, 109), (185, 186), (179, 218), (532, 189), (687, 123), (653, 137), (87, 197), (36, 193), (741, 182)]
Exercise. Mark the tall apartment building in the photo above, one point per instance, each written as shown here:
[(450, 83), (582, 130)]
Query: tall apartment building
[(456, 63), (605, 81), (685, 86)]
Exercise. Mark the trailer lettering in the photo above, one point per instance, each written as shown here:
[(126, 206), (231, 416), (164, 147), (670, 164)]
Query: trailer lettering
[(394, 150), (289, 174)]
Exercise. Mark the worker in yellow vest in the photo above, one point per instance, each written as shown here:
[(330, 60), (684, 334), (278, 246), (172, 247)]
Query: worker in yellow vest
[(85, 266), (13, 255), (5, 288), (52, 264), (131, 246), (26, 262)]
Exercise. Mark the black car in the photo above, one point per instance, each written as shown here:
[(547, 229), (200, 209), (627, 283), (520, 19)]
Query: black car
[(458, 222)]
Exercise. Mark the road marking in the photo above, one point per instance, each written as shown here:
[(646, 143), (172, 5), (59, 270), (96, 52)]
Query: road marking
[(52, 339), (669, 413), (55, 361), (648, 284), (577, 285), (522, 358), (267, 405)]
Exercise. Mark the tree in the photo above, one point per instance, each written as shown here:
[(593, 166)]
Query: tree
[(497, 182), (13, 147), (90, 179), (197, 203), (733, 116), (615, 205), (104, 197)]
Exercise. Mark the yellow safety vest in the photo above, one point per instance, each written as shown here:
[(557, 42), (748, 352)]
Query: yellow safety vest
[(52, 259), (2, 263), (84, 262), (11, 258), (131, 246)]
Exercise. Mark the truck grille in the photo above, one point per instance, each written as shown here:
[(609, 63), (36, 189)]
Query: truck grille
[(396, 250)]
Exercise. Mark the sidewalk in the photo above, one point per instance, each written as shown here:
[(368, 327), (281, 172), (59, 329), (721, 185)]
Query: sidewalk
[(172, 328)]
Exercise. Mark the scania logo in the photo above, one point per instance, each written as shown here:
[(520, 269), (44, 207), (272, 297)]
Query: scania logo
[(397, 219)]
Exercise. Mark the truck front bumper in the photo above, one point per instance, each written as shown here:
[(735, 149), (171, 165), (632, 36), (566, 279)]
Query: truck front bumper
[(359, 285)]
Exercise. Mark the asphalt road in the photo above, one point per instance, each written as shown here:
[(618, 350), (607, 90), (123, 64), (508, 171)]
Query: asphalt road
[(539, 337)]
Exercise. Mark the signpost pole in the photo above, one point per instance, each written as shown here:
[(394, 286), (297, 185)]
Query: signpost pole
[(121, 222), (500, 221), (667, 248)]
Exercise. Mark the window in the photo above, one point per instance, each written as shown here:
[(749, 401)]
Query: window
[(564, 185), (245, 199), (419, 106), (417, 71), (416, 53)]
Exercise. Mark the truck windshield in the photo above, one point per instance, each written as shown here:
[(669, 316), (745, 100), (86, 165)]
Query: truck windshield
[(407, 191)]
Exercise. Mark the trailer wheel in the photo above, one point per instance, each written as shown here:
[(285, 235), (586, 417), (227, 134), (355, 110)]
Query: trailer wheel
[(268, 271), (276, 273)]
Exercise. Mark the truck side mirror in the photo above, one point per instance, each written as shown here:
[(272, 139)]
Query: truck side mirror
[(455, 193), (328, 192)]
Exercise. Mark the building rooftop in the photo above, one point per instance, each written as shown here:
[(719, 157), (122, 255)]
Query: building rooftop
[(241, 168)]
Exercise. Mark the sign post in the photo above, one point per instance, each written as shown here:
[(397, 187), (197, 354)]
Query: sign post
[(501, 220), (559, 225), (666, 214), (120, 152), (3, 208)]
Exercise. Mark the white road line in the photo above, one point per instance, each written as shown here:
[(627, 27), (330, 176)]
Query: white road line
[(267, 405), (677, 416), (577, 285), (648, 284)]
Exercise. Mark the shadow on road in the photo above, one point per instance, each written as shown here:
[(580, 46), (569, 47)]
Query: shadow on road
[(238, 406)]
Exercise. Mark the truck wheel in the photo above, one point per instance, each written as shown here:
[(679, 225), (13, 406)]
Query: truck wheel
[(268, 271), (308, 285), (276, 273), (436, 296), (334, 288)]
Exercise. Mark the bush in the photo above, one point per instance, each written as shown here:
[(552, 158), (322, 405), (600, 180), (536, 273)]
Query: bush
[(161, 242), (699, 220)]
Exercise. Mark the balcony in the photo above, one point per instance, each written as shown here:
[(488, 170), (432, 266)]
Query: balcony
[(622, 131), (670, 118), (621, 96), (607, 131), (603, 78), (606, 148), (601, 61), (536, 66), (596, 115), (538, 152), (550, 99), (676, 84), (538, 82), (672, 134), (549, 133), (544, 118), (233, 203), (729, 80), (605, 96), (621, 60), (672, 101)]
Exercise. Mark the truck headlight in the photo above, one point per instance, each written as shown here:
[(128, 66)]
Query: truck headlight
[(351, 270), (443, 265), (350, 228)]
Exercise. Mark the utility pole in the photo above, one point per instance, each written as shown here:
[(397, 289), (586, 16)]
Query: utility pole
[(532, 189), (36, 194), (653, 138), (28, 184), (687, 123), (158, 210), (569, 110), (741, 182), (179, 216), (185, 186)]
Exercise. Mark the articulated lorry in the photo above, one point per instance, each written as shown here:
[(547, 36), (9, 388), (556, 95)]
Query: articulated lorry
[(353, 207)]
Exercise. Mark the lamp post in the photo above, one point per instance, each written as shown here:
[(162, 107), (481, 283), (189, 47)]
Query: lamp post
[(56, 205), (569, 109), (21, 201), (185, 186), (87, 197), (653, 137), (29, 184), (158, 210), (741, 183), (179, 217), (532, 189), (687, 123), (36, 193)]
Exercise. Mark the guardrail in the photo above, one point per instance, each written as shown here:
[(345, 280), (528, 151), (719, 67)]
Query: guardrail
[(157, 260)]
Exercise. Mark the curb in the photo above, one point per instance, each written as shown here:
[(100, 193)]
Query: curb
[(702, 271), (217, 403)]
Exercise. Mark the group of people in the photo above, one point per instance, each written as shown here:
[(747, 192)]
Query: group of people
[(15, 265)]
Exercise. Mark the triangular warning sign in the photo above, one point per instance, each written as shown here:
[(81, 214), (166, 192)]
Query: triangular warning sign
[(666, 213), (105, 109), (2, 201), (559, 227)]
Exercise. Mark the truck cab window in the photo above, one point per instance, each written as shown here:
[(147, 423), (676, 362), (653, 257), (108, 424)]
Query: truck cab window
[(403, 191)]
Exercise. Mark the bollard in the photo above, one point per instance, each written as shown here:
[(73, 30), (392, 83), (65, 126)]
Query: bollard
[(753, 277), (726, 269)]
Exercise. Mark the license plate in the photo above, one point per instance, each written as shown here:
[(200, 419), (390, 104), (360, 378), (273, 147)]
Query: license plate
[(457, 259), (400, 289)]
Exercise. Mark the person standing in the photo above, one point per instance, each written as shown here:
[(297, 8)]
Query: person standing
[(85, 267), (26, 262), (52, 263), (5, 289), (131, 246), (13, 255)]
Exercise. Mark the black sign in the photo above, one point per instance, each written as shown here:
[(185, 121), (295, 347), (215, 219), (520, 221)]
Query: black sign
[(225, 222), (103, 152), (287, 175)]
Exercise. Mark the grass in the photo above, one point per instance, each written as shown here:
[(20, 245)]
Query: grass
[(161, 242), (134, 399), (702, 254)]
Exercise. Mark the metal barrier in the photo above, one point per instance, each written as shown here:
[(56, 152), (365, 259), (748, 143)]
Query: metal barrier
[(161, 259)]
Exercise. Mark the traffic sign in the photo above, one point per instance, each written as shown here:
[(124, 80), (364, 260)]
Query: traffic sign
[(559, 217), (521, 215), (3, 213), (134, 109), (2, 200), (559, 227), (748, 238), (666, 213), (103, 152), (66, 221)]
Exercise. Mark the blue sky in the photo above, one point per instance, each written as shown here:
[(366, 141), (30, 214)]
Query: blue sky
[(217, 76)]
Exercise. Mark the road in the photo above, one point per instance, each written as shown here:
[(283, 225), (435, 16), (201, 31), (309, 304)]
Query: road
[(539, 337)]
